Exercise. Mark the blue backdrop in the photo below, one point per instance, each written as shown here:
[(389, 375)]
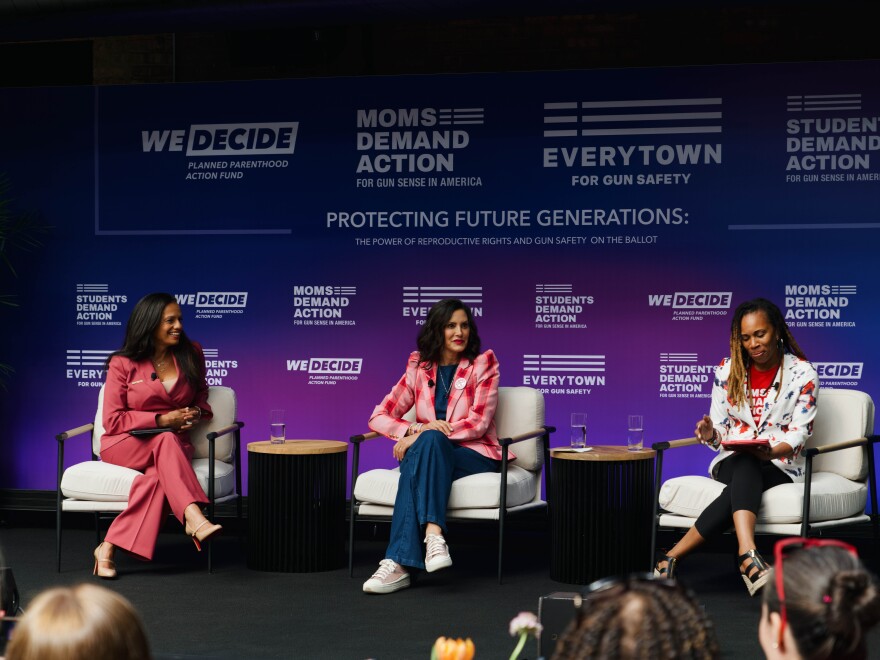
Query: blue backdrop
[(602, 224)]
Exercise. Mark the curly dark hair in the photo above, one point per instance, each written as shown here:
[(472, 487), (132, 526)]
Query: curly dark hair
[(831, 602), (639, 618), (431, 339), (138, 344), (739, 356)]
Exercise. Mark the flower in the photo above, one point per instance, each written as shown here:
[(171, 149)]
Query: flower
[(524, 624), (446, 648)]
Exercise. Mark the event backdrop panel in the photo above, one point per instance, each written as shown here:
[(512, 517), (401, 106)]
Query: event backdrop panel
[(603, 225)]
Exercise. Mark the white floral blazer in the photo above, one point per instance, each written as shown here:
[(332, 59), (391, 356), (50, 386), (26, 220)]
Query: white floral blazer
[(786, 418)]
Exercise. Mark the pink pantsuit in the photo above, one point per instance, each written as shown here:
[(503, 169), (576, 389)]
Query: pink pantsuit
[(132, 399)]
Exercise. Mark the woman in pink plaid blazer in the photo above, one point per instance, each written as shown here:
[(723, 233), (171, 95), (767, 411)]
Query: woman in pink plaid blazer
[(454, 389)]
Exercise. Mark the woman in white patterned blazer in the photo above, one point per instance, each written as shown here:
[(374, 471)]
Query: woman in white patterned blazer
[(763, 406)]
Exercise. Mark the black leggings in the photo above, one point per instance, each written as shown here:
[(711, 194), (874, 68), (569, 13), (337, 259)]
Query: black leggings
[(746, 478)]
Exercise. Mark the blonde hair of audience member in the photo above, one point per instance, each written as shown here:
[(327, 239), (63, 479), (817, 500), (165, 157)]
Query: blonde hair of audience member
[(638, 617), (86, 622), (831, 603)]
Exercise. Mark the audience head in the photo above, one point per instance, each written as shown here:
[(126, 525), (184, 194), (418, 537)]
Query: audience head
[(638, 617), (431, 339), (820, 602), (86, 622)]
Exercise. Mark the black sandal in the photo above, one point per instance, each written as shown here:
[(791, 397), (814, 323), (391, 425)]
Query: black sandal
[(669, 571), (757, 571)]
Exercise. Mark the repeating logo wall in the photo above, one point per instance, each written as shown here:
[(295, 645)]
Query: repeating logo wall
[(564, 374), (418, 300), (96, 306), (683, 377), (327, 371), (85, 366), (322, 304), (839, 374), (214, 304), (819, 305), (217, 368), (556, 306), (693, 305)]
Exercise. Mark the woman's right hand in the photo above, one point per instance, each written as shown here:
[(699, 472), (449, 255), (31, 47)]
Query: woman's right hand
[(179, 420), (438, 425), (705, 430)]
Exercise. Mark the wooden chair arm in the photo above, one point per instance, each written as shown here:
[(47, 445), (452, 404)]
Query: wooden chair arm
[(674, 444), (845, 444), (235, 426), (357, 439), (506, 442), (79, 430)]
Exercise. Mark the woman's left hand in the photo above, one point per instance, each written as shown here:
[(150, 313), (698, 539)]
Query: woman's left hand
[(191, 417), (402, 445), (768, 453), (762, 453)]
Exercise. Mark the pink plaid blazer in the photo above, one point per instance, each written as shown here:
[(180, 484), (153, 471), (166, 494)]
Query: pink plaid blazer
[(471, 410)]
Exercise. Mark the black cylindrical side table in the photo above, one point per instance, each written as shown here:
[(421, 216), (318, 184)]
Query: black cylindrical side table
[(601, 507), (296, 505)]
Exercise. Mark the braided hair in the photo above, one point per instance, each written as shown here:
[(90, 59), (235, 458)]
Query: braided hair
[(640, 619), (739, 357), (831, 603)]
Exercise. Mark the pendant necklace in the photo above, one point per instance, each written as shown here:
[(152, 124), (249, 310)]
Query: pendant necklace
[(446, 386), (160, 366)]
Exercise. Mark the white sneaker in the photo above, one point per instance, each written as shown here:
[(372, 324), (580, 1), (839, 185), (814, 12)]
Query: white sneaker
[(437, 553), (389, 577)]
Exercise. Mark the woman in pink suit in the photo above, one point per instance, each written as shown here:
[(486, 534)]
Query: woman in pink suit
[(156, 380), (454, 389)]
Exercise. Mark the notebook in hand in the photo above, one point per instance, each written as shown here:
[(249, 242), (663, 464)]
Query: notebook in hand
[(745, 442), (154, 431)]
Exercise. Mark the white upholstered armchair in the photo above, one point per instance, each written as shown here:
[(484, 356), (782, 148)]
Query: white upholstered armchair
[(102, 488), (519, 420), (839, 476)]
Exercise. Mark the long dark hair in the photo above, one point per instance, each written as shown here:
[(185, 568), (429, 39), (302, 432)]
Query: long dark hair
[(142, 323), (739, 356), (431, 339), (831, 602)]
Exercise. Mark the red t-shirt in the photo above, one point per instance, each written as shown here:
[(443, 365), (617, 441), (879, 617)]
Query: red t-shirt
[(760, 382)]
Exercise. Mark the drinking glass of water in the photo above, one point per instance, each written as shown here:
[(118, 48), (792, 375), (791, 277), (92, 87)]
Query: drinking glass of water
[(578, 430), (635, 432), (276, 427)]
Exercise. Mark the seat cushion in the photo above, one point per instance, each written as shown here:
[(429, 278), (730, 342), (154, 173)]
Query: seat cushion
[(688, 496), (224, 476), (98, 481), (477, 491), (103, 482), (831, 497)]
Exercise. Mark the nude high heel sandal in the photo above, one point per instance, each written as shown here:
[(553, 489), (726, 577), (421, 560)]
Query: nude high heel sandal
[(104, 568), (201, 532)]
